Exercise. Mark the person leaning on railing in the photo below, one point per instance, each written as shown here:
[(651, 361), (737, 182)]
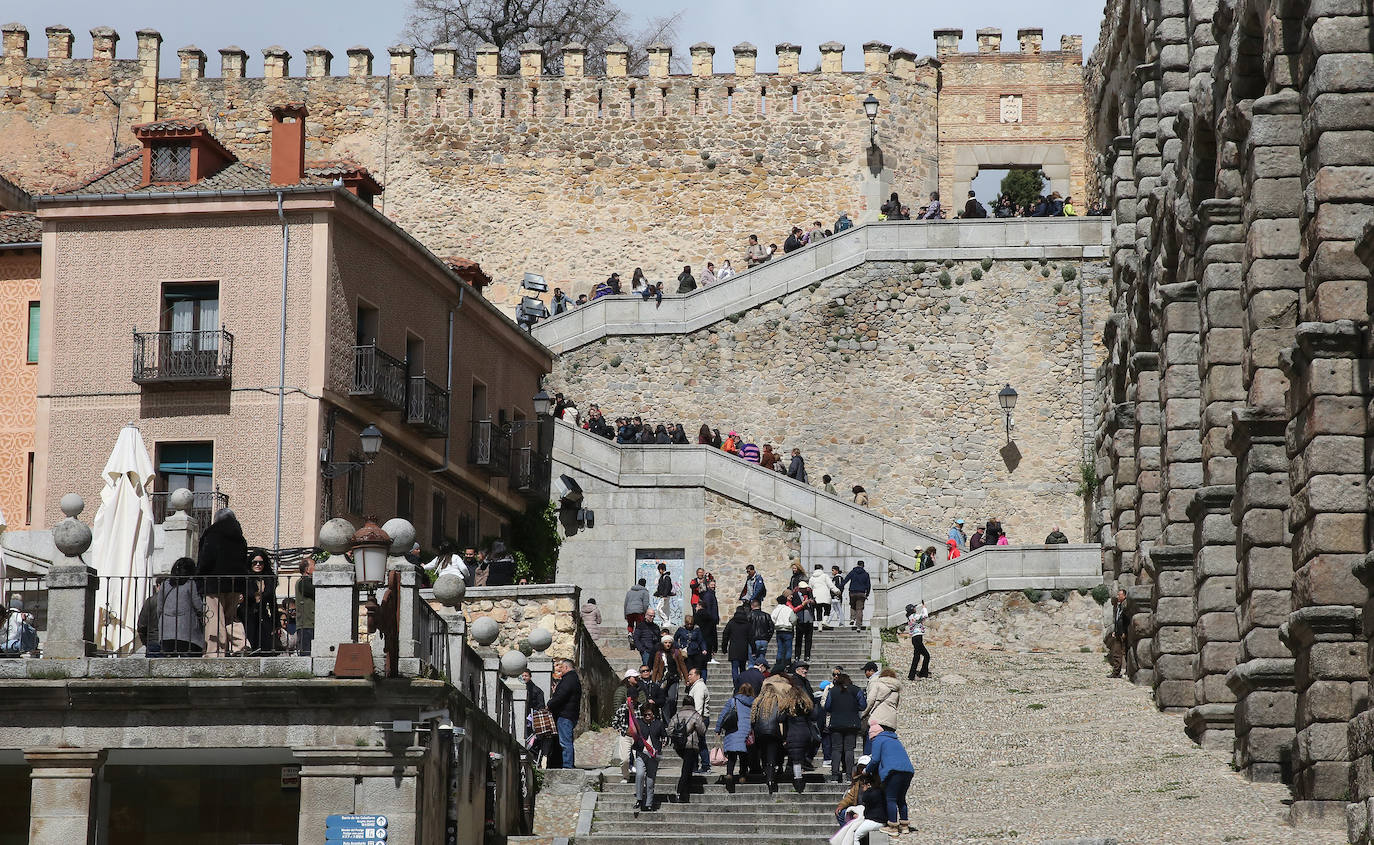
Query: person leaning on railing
[(181, 612)]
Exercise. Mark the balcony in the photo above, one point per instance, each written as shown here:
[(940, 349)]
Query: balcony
[(427, 406), (490, 448), (183, 358), (378, 378), (204, 504), (530, 472)]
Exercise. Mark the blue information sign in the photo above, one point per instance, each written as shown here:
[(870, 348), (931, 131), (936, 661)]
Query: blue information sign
[(354, 828)]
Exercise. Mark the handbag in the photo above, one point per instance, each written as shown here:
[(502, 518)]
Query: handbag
[(541, 722), (717, 757), (730, 723)]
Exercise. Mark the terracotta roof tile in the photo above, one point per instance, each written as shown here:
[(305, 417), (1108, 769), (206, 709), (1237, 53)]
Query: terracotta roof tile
[(19, 227), (125, 178)]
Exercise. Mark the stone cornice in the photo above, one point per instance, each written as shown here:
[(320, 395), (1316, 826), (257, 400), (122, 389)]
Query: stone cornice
[(1262, 673), (1215, 499), (1253, 425), (1322, 623)]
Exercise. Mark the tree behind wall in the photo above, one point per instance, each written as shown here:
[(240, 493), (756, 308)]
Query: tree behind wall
[(535, 541), (596, 24), (1023, 186)]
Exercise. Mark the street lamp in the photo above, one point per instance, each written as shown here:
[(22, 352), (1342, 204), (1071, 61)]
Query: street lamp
[(370, 546), (871, 109), (371, 440), (1006, 397), (543, 403)]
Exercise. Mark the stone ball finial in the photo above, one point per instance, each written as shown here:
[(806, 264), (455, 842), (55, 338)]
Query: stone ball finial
[(484, 631), (513, 663), (402, 535), (449, 589), (181, 499), (73, 505), (540, 639), (336, 535)]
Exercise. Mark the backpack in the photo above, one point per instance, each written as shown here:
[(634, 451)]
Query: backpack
[(979, 210), (677, 734)]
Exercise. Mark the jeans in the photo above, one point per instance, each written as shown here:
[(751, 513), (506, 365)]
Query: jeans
[(784, 645), (758, 652), (565, 738), (304, 637), (842, 753), (646, 657), (895, 787), (918, 650), (704, 764), (737, 668), (644, 782)]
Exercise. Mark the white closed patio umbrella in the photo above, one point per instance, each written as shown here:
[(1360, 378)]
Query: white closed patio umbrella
[(122, 539)]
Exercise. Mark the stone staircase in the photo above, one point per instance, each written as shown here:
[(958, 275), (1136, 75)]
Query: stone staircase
[(713, 815)]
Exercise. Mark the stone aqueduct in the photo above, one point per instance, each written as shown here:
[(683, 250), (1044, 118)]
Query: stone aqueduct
[(1235, 140)]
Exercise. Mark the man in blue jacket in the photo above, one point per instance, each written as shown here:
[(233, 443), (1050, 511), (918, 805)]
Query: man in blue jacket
[(859, 587), (754, 589)]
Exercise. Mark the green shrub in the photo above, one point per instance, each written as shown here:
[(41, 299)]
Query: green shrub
[(1087, 479), (1026, 264), (1059, 595), (911, 347), (1045, 272), (945, 279), (889, 635), (959, 281), (1044, 261), (987, 263), (1101, 593), (1035, 705), (1032, 595), (949, 262), (616, 361), (1058, 288), (976, 274), (1068, 272), (919, 267)]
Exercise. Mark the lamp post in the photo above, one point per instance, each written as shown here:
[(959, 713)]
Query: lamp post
[(1006, 397), (871, 109), (371, 440)]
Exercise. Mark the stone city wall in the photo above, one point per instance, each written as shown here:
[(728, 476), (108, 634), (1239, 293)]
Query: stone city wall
[(520, 609), (1057, 620), (887, 376)]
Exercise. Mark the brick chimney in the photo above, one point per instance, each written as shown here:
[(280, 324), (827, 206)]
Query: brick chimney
[(288, 144)]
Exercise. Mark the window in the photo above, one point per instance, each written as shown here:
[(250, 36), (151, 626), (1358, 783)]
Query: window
[(171, 162), (763, 101), (189, 465), (32, 354), (415, 356), (567, 100), (438, 525), (368, 319), (503, 102), (479, 402), (405, 497), (28, 493), (190, 307), (355, 492), (467, 536), (632, 102), (729, 101)]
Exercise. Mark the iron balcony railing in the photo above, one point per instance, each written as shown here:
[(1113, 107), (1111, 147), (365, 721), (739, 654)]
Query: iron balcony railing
[(490, 448), (204, 504), (378, 378), (427, 406), (530, 472), (183, 357)]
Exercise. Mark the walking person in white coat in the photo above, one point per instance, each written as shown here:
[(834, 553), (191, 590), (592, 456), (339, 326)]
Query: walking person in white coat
[(820, 593)]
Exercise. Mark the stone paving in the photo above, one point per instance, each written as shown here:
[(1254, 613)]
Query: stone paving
[(1045, 747)]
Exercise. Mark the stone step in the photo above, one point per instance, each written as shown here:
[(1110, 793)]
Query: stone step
[(793, 830), (695, 837), (744, 792)]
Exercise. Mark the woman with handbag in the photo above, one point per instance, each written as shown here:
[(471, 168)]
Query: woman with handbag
[(844, 703), (735, 728)]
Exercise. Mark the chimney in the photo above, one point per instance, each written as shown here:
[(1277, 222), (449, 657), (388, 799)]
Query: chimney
[(288, 144)]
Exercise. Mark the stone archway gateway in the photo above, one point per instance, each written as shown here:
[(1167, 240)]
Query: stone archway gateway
[(1051, 159)]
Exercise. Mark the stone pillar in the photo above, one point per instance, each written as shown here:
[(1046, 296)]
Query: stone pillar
[(660, 60), (71, 609), (990, 40), (541, 673), (703, 59), (411, 627), (363, 780), (904, 64), (336, 610), (1173, 645), (232, 62), (617, 60), (789, 59), (402, 59), (1143, 373), (192, 62), (15, 40), (276, 62), (445, 60), (317, 61), (180, 534), (62, 794), (1181, 407), (947, 42), (876, 57), (746, 59), (488, 60), (1071, 44), (149, 55), (1030, 39), (1123, 492), (103, 41), (360, 61), (1211, 721), (519, 706), (1328, 397), (1263, 679), (59, 42), (574, 60), (832, 57)]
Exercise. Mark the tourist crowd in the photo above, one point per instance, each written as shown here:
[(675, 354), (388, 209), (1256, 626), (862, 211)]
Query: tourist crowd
[(775, 722)]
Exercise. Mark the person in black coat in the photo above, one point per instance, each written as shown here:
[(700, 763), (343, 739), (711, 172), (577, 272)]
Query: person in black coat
[(738, 640), (707, 615), (646, 636), (260, 603), (222, 567), (566, 706), (501, 566)]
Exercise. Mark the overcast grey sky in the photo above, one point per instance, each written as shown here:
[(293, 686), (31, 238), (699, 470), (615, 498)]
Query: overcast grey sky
[(339, 24)]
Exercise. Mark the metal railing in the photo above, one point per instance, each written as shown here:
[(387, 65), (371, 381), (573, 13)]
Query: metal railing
[(490, 447), (183, 357), (165, 616), (32, 591), (529, 471), (432, 646), (427, 406), (204, 504), (378, 377)]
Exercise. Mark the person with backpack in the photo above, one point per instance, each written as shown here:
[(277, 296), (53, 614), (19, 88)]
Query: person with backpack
[(735, 727), (701, 699), (687, 733), (662, 593), (767, 717), (761, 628), (800, 735), (844, 705), (973, 209), (890, 762), (784, 619)]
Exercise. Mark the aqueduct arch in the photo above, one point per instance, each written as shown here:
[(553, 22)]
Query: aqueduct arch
[(1052, 159)]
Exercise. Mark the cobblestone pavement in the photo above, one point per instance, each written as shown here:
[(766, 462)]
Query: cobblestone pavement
[(1039, 747)]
